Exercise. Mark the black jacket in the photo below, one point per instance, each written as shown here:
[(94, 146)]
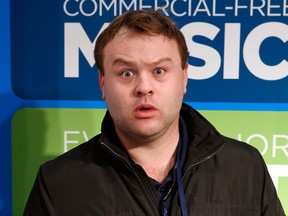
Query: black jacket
[(221, 177)]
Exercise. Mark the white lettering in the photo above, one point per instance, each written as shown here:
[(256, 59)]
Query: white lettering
[(173, 9), (270, 6), (93, 11), (66, 10), (285, 8), (74, 142), (208, 54), (273, 8), (205, 8), (214, 12), (284, 148), (75, 40), (259, 7), (237, 7), (143, 7), (162, 7), (127, 7), (67, 141), (231, 51), (277, 145), (251, 52), (107, 7)]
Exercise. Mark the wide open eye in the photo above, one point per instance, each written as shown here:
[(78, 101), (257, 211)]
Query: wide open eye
[(127, 74), (159, 71)]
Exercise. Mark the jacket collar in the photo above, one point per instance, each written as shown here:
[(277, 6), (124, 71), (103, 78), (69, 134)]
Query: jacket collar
[(204, 139), (110, 138)]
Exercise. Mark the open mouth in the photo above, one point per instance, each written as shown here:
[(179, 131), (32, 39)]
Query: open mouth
[(145, 109)]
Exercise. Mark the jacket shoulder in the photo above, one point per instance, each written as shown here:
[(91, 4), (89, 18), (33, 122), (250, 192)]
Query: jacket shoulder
[(243, 155), (236, 146), (85, 153)]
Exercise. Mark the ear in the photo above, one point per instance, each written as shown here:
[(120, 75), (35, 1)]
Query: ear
[(101, 83), (185, 78)]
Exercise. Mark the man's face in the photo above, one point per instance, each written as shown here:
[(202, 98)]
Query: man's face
[(143, 85)]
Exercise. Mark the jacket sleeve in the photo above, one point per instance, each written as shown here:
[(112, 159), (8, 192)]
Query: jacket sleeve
[(271, 204), (39, 203)]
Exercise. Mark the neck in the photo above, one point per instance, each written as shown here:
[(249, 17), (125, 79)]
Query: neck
[(157, 157)]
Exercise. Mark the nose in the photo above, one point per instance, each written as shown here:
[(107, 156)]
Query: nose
[(144, 85)]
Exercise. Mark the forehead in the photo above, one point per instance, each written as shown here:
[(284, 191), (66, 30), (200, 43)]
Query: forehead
[(132, 45)]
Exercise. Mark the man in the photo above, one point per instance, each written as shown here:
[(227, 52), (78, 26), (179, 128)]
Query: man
[(155, 155)]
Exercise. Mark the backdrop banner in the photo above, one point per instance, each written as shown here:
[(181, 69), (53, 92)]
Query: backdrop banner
[(51, 101)]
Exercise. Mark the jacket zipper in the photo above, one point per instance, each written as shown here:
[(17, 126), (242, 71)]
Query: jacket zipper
[(201, 161), (141, 182), (190, 167), (133, 171)]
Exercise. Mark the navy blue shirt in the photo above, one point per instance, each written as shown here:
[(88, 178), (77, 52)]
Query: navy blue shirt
[(164, 189)]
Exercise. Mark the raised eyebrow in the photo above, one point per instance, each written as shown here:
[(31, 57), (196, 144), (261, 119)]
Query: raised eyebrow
[(164, 59), (121, 61)]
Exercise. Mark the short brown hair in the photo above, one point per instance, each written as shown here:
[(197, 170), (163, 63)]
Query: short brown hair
[(141, 22)]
